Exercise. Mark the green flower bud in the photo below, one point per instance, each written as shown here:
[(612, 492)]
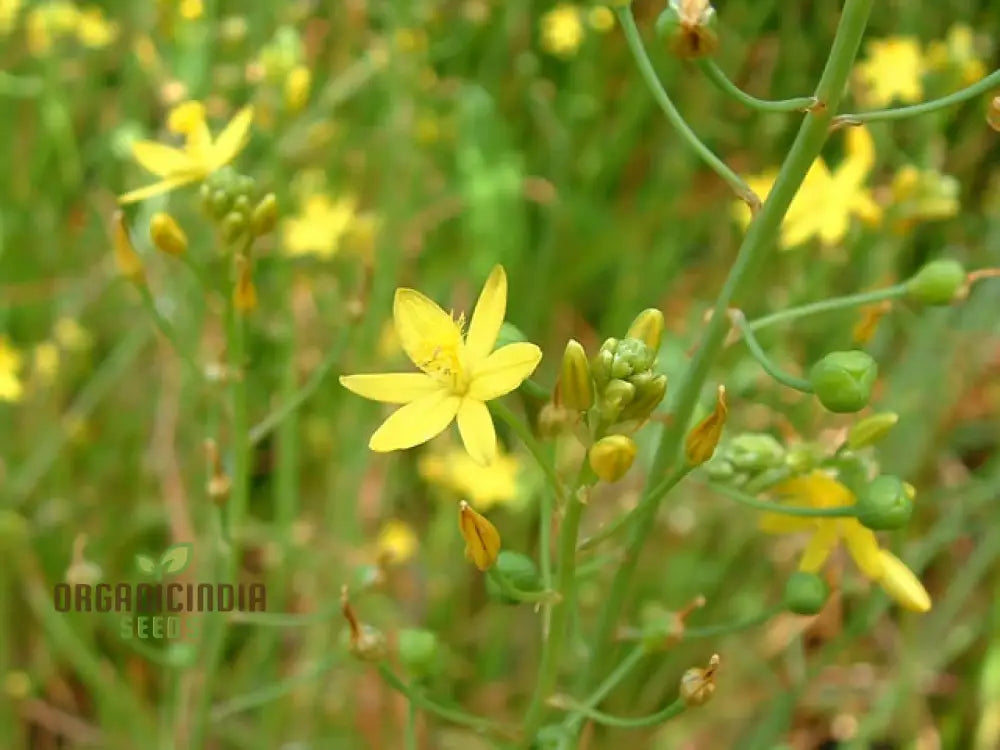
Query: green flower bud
[(937, 283), (576, 389), (755, 451), (233, 226), (600, 367), (244, 185), (689, 28), (519, 570), (418, 650), (884, 504), (648, 328), (805, 593), (631, 356), (871, 430), (720, 470), (265, 215), (803, 458), (241, 205), (167, 234), (612, 456), (843, 381), (617, 395), (649, 392), (219, 204)]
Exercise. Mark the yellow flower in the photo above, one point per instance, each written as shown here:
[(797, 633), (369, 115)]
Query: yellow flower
[(601, 18), (486, 486), (826, 201), (45, 362), (70, 335), (297, 87), (93, 30), (922, 195), (818, 490), (562, 30), (892, 71), (11, 388), (957, 51), (8, 15), (459, 374), (396, 542), (700, 443), (200, 156), (320, 227), (192, 10)]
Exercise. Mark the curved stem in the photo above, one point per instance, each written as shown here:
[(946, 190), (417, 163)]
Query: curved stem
[(726, 628), (620, 673), (796, 383), (991, 81), (844, 511), (674, 709), (716, 75), (634, 39), (827, 305), (410, 732), (512, 591)]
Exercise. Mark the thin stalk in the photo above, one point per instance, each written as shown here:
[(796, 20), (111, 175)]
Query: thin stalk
[(410, 731), (674, 709), (620, 672), (274, 691), (726, 628), (674, 117), (533, 446), (991, 81), (513, 592), (772, 369), (844, 511), (828, 305), (716, 75), (758, 242)]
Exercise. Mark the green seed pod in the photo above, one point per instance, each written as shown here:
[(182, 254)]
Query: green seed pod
[(803, 458), (937, 283), (233, 226), (241, 205), (611, 457), (659, 627), (698, 685), (871, 430), (576, 389), (520, 570), (755, 451), (648, 328), (805, 593), (649, 392), (418, 650), (720, 470), (884, 504), (265, 215), (220, 203), (843, 381)]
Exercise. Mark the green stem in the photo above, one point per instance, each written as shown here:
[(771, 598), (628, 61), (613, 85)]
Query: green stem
[(797, 383), (726, 628), (275, 691), (454, 715), (634, 39), (991, 81), (759, 240), (410, 732), (718, 77), (629, 663), (166, 328), (533, 446), (674, 709), (844, 511), (512, 591), (827, 305)]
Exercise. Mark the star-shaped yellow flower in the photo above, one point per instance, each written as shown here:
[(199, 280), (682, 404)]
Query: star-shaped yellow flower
[(320, 227), (485, 486), (819, 490), (892, 71), (459, 374), (200, 156)]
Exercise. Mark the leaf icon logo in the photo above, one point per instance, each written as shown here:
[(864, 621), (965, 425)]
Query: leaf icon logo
[(176, 558)]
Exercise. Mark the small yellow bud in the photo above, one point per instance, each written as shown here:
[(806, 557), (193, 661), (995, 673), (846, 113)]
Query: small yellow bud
[(167, 234), (576, 389), (702, 440), (128, 261), (265, 215), (871, 430), (245, 293), (648, 328), (297, 87), (698, 685), (482, 540), (611, 457)]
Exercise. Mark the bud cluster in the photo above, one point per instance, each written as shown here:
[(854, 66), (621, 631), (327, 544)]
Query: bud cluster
[(233, 201)]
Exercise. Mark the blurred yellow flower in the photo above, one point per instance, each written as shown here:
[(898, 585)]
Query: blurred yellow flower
[(200, 156), (320, 227), (460, 372), (298, 84), (8, 15), (922, 195), (396, 542), (892, 71), (826, 201), (601, 18), (70, 335), (45, 362), (958, 51), (52, 21), (192, 10), (818, 490), (562, 30), (486, 486), (11, 388), (93, 30)]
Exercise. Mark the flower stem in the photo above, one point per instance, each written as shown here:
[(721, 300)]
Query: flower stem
[(827, 305), (629, 663), (509, 589), (634, 39), (533, 446), (772, 369), (674, 709), (843, 511), (759, 240), (726, 628), (718, 77), (410, 732), (991, 81)]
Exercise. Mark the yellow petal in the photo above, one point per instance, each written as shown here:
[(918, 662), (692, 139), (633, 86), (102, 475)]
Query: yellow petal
[(161, 160), (863, 546), (779, 523), (504, 370), (488, 316), (902, 585), (819, 547), (860, 150), (157, 188), (390, 388), (422, 326), (232, 139), (476, 428), (415, 423)]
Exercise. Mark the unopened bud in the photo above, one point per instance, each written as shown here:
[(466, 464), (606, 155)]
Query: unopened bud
[(843, 381), (993, 114), (418, 650), (519, 570), (601, 366), (245, 293), (482, 540), (616, 396), (611, 457), (805, 593), (902, 585), (702, 440), (364, 641), (167, 234), (649, 392), (939, 282), (576, 389), (885, 504), (265, 215), (297, 88), (871, 430), (648, 328), (689, 28), (234, 226), (755, 451), (698, 685), (128, 261)]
